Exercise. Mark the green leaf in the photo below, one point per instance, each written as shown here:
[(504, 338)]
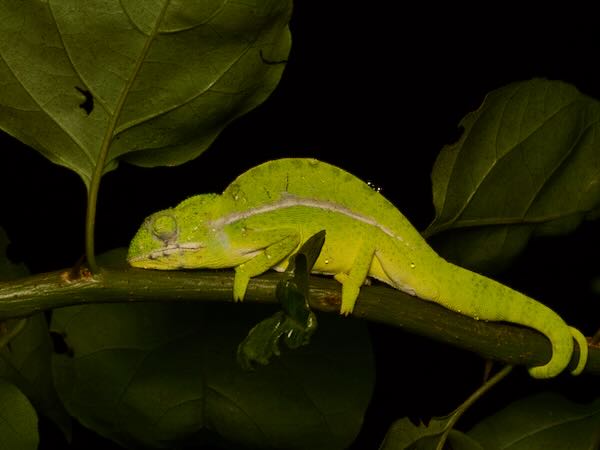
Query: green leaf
[(18, 421), (293, 294), (8, 269), (26, 362), (545, 422), (165, 376), (153, 83), (25, 359), (403, 434), (296, 323), (528, 162), (311, 249), (262, 341), (294, 298)]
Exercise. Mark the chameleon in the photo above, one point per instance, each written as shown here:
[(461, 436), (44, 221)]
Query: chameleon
[(268, 212)]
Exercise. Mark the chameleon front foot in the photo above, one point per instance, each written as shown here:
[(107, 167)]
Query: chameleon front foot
[(348, 296), (355, 277), (240, 284)]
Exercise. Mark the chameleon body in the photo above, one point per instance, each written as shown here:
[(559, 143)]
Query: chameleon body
[(266, 214)]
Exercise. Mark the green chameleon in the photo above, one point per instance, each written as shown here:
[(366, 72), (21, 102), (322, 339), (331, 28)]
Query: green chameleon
[(266, 214)]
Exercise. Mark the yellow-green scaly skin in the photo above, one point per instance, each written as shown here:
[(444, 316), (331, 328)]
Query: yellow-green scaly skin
[(269, 211)]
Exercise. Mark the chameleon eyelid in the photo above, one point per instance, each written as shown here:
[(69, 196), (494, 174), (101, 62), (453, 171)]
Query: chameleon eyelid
[(164, 227)]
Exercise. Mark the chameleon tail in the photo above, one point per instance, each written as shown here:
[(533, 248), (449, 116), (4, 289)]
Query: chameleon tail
[(480, 297), (583, 350)]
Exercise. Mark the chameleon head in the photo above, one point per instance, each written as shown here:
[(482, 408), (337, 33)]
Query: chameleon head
[(176, 238)]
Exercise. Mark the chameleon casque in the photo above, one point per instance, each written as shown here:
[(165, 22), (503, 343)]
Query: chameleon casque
[(266, 214)]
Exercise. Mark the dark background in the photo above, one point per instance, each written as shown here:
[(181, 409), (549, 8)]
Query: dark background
[(377, 91)]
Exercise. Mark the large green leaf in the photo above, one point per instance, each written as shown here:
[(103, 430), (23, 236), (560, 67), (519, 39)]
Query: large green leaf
[(18, 422), (25, 359), (165, 376), (528, 162), (162, 77), (544, 422), (26, 362)]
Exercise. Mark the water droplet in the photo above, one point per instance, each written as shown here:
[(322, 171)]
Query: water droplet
[(374, 186), (326, 261), (476, 317), (459, 311), (412, 265)]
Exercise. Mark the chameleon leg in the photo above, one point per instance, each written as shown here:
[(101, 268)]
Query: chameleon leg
[(355, 278), (279, 245)]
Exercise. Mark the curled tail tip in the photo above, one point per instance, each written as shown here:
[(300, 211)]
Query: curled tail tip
[(560, 359), (583, 350), (549, 370)]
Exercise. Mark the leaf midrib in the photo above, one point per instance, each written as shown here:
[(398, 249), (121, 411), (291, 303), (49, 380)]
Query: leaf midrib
[(114, 117), (454, 221), (191, 98), (549, 426), (107, 140)]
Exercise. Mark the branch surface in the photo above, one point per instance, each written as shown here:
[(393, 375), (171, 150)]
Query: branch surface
[(511, 344)]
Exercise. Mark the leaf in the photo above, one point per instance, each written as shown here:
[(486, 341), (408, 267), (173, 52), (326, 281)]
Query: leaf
[(293, 293), (25, 360), (18, 421), (296, 323), (403, 434), (8, 269), (165, 376), (528, 162), (311, 249), (545, 421), (152, 83)]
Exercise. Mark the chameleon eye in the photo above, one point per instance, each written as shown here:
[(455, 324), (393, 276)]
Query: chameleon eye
[(164, 227)]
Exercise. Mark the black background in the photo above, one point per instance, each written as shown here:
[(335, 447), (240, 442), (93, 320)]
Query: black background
[(378, 91)]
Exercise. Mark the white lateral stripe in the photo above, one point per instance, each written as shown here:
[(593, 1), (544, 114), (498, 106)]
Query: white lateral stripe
[(290, 200)]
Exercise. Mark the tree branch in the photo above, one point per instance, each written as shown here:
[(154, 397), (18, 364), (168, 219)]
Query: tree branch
[(508, 343)]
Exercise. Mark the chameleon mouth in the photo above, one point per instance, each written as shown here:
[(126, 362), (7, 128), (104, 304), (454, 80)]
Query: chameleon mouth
[(169, 250)]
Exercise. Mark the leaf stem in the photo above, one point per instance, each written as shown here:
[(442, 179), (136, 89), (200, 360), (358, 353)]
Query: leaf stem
[(108, 136), (90, 222), (457, 414)]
